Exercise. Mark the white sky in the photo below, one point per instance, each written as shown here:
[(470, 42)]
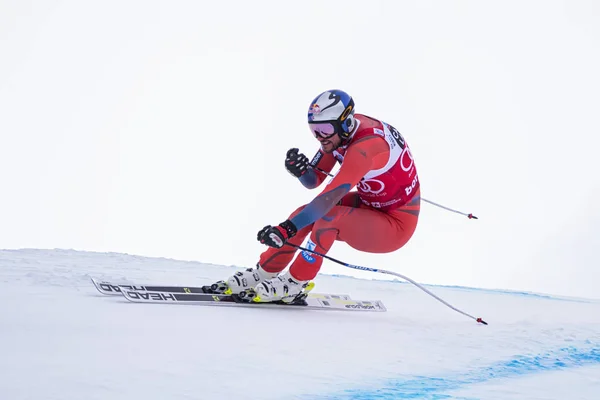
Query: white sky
[(160, 128)]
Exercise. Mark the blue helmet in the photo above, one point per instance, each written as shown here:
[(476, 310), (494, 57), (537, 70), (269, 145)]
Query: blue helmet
[(330, 113)]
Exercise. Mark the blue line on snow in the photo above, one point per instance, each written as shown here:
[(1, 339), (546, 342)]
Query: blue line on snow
[(435, 388)]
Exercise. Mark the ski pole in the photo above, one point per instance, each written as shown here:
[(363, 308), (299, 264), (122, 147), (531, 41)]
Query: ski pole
[(382, 271), (468, 215)]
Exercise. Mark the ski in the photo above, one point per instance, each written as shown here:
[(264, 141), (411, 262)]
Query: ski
[(113, 289), (108, 288), (317, 301)]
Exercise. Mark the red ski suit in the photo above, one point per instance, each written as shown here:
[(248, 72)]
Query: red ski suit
[(379, 217)]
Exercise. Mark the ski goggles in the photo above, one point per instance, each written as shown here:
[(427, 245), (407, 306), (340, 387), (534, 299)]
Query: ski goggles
[(323, 130)]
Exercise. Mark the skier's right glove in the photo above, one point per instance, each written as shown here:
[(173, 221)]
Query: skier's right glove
[(276, 236), (296, 163)]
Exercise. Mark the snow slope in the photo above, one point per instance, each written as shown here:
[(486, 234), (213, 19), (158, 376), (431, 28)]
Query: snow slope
[(61, 339)]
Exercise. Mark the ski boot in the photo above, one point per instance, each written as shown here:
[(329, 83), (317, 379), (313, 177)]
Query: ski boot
[(283, 288), (241, 284)]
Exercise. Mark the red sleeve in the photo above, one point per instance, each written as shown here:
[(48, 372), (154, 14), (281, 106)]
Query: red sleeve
[(321, 164), (323, 161), (371, 152)]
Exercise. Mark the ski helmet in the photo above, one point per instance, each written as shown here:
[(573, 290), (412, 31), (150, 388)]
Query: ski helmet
[(331, 113)]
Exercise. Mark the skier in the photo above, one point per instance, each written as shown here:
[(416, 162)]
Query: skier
[(379, 217)]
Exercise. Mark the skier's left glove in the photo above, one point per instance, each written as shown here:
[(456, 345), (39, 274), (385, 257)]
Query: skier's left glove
[(276, 236)]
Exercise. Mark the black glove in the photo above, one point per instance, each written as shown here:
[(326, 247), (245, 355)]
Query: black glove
[(296, 163), (276, 236)]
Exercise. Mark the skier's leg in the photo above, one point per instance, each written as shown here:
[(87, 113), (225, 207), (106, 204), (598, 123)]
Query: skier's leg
[(276, 260), (362, 228), (271, 262)]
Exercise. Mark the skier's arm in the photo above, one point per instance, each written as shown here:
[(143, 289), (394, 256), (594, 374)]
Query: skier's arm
[(369, 153), (313, 178)]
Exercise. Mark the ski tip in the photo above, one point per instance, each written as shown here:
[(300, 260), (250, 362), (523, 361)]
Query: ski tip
[(127, 297), (97, 285)]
